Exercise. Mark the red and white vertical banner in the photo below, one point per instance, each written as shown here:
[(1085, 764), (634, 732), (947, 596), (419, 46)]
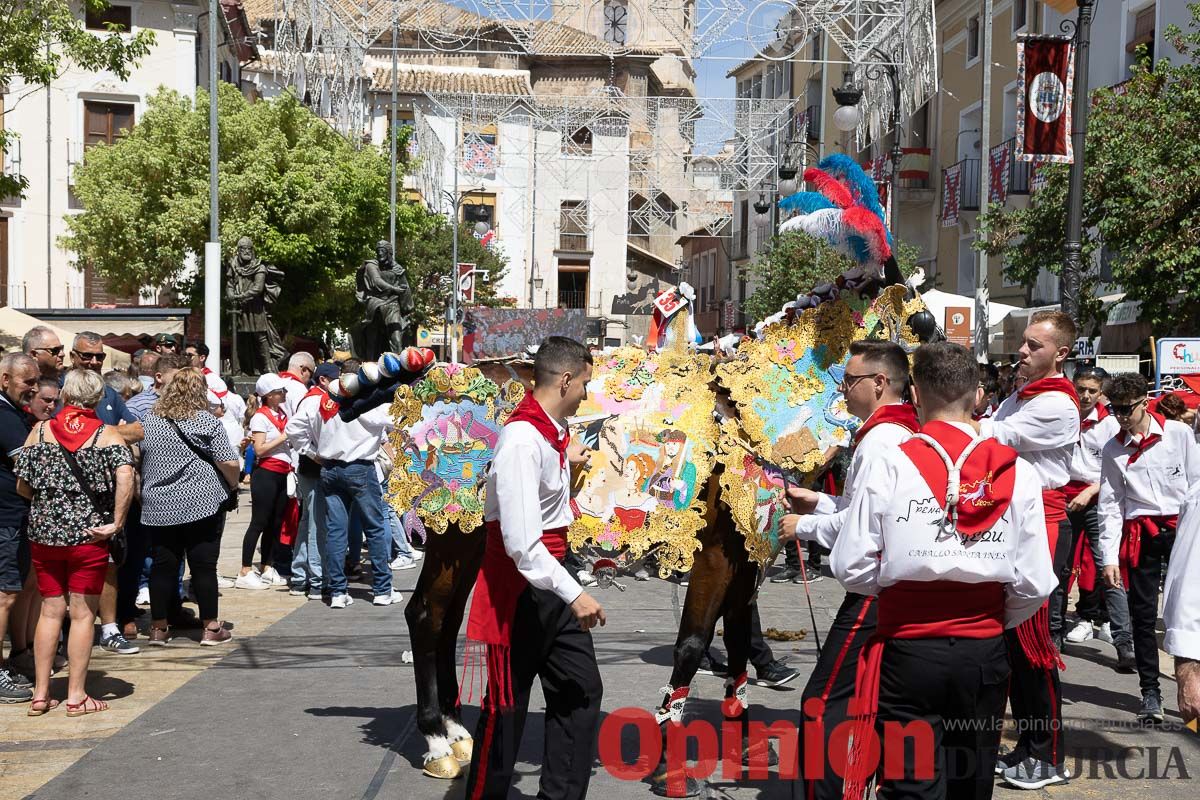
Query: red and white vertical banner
[(466, 283), (951, 194), (1046, 78), (999, 162)]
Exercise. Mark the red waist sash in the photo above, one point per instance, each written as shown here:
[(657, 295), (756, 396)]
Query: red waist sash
[(1055, 503), (1074, 489), (914, 610), (1131, 538), (489, 627)]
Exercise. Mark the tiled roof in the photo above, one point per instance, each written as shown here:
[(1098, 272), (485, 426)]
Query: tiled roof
[(419, 78)]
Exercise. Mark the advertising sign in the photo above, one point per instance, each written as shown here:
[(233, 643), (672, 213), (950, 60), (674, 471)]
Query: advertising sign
[(1176, 357), (958, 325)]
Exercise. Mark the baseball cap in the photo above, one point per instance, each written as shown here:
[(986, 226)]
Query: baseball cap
[(164, 338), (327, 370), (267, 383)]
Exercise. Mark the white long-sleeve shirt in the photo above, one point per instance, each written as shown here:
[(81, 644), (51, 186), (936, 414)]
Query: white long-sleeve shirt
[(529, 491), (296, 389), (823, 524), (304, 427), (1181, 592), (1044, 429), (336, 439), (1085, 460), (893, 533), (1154, 485)]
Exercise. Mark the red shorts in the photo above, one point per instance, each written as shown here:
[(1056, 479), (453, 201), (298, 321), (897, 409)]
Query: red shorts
[(79, 569)]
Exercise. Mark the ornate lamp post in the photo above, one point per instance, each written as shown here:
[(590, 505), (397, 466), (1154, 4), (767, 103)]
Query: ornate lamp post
[(1073, 249), (849, 114)]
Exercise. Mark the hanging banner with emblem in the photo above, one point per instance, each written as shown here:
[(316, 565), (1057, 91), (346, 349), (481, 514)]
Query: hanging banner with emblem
[(1045, 77), (951, 194)]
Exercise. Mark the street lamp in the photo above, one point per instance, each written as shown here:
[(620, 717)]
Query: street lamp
[(847, 96), (849, 114), (762, 206), (1073, 249), (455, 200)]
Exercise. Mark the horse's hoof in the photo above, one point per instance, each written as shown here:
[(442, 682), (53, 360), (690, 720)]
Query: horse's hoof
[(462, 749), (445, 768)]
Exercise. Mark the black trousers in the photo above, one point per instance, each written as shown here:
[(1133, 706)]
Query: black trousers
[(1091, 605), (957, 687), (1143, 603), (761, 655), (129, 574), (1036, 694), (200, 541), (1061, 558), (268, 493), (547, 643), (832, 682)]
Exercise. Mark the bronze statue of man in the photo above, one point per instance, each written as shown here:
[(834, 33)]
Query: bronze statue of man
[(382, 289), (252, 287)]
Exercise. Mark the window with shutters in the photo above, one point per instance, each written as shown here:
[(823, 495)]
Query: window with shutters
[(104, 123)]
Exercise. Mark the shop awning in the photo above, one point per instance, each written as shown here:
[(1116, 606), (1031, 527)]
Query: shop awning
[(136, 321), (15, 324)]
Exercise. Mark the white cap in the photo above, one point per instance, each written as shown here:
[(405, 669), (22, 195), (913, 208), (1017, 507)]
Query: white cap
[(267, 383)]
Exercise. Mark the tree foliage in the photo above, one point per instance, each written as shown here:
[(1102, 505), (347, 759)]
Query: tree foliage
[(1141, 195), (794, 263), (39, 39), (312, 203)]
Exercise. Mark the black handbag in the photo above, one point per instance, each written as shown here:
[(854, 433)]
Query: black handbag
[(117, 545), (231, 498)]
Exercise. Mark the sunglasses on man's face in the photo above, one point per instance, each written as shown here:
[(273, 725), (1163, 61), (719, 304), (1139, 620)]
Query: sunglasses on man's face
[(1125, 409), (54, 351), (90, 356)]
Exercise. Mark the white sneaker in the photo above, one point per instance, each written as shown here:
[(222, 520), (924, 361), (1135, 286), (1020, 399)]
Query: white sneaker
[(1081, 632), (250, 581), (224, 583), (143, 596), (586, 578), (272, 578), (1105, 633), (388, 599), (314, 594), (417, 555), (341, 601), (402, 562)]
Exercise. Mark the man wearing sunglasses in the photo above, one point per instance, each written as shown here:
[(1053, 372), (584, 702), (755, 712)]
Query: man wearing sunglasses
[(1041, 422), (1145, 473), (87, 352), (43, 346)]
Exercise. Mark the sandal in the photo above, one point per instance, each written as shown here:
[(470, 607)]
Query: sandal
[(39, 707), (89, 705)]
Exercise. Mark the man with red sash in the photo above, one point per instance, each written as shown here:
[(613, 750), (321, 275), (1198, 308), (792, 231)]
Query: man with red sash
[(1145, 473), (874, 385), (948, 531), (1041, 422), (529, 617), (1098, 605), (299, 372)]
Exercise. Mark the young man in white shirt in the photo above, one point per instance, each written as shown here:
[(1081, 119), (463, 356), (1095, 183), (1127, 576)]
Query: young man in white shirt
[(529, 615), (874, 387), (1041, 422), (1145, 474), (1100, 605), (947, 530)]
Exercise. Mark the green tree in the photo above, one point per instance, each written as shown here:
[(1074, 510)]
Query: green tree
[(312, 203), (39, 39), (1141, 195), (426, 251), (795, 263)]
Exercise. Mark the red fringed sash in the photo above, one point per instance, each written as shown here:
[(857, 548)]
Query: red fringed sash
[(1131, 539)]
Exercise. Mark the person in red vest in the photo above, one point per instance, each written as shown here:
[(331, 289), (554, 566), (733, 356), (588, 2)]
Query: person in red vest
[(947, 530), (529, 616), (1145, 473), (1041, 422), (1098, 605), (874, 386)]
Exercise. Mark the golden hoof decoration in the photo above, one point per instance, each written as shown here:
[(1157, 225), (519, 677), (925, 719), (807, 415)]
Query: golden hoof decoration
[(445, 768), (462, 749)]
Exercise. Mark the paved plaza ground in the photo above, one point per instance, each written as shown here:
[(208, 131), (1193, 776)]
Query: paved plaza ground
[(308, 702)]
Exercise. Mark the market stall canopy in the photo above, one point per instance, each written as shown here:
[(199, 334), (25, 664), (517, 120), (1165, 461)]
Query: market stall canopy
[(135, 321), (938, 301), (14, 325)]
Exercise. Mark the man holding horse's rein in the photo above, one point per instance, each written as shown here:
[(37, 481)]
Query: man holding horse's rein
[(529, 617), (874, 386)]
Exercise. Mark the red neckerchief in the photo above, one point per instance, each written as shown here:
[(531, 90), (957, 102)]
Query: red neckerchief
[(296, 378), (73, 426), (531, 411), (206, 370), (1088, 423), (1057, 384), (326, 406), (987, 476), (901, 414), (1147, 441), (277, 418)]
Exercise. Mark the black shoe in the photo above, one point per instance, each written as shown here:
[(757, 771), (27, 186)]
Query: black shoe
[(1126, 660), (786, 576), (1152, 710), (775, 674), (713, 665), (754, 758), (812, 576)]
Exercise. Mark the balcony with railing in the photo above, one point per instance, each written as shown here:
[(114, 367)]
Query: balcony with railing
[(968, 176), (15, 295), (1019, 172), (568, 298), (573, 242)]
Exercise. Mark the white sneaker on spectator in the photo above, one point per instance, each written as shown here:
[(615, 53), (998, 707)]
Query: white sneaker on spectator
[(402, 562), (1081, 632), (296, 591), (250, 581), (1105, 633), (224, 583), (315, 594), (417, 555), (388, 599), (143, 596), (341, 601), (273, 578)]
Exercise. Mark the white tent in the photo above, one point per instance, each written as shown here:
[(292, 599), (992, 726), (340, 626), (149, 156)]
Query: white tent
[(938, 301), (14, 324)]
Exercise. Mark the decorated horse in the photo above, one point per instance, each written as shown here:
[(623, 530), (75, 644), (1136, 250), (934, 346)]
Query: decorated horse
[(692, 457)]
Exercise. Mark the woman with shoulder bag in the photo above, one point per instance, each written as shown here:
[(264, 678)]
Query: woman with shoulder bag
[(78, 473), (189, 481)]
